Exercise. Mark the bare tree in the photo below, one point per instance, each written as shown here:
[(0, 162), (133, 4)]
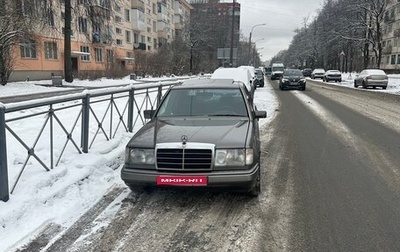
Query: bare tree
[(16, 24)]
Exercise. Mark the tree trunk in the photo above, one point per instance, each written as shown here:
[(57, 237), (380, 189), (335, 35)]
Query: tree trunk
[(67, 43)]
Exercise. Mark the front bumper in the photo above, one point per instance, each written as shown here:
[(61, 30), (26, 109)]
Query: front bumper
[(297, 84), (236, 179)]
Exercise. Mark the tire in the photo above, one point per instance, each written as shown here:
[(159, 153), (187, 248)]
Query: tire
[(256, 190), (355, 84), (384, 87), (364, 85), (303, 88)]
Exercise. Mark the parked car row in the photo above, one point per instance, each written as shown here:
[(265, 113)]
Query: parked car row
[(295, 79)]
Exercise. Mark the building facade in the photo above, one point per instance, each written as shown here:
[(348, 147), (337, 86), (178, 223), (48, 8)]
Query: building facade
[(390, 61), (106, 35)]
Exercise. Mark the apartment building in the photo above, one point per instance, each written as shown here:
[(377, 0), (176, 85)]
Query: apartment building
[(390, 39), (106, 35)]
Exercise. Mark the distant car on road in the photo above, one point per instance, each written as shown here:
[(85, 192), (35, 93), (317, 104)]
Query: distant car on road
[(205, 133), (307, 72), (292, 79), (259, 80), (333, 75), (318, 73), (277, 71), (371, 78)]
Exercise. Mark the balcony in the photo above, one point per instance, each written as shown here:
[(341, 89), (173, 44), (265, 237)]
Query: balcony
[(140, 46), (162, 34), (137, 4)]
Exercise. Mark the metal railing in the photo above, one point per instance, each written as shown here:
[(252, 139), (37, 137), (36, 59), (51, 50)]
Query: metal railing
[(124, 106)]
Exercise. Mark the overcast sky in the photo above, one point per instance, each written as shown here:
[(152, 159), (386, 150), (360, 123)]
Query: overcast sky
[(281, 17)]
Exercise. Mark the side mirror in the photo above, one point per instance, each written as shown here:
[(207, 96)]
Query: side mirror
[(148, 114), (260, 114)]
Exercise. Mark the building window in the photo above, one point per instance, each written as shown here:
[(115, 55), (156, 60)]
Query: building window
[(154, 8), (82, 24), (50, 50), (135, 38), (28, 49), (155, 43), (148, 29), (118, 30), (110, 56), (119, 42), (117, 8), (128, 37), (99, 54), (393, 59), (118, 19), (127, 15), (85, 49)]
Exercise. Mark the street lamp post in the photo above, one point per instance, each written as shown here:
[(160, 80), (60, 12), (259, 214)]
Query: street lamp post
[(254, 50), (252, 28)]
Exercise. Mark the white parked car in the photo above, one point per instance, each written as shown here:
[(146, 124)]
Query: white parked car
[(371, 78), (318, 73), (333, 75), (237, 74)]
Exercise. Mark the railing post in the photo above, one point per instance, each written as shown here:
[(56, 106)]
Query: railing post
[(85, 123), (130, 109), (4, 190), (159, 95)]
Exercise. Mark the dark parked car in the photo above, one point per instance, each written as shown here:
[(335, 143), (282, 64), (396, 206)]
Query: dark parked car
[(371, 78), (259, 80), (333, 75), (307, 72), (205, 133), (292, 79)]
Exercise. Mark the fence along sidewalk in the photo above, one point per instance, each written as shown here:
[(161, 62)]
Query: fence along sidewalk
[(135, 99)]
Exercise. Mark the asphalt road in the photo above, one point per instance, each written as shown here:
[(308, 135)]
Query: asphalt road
[(330, 182), (339, 153)]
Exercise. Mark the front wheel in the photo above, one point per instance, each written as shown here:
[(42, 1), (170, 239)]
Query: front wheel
[(355, 84), (256, 190)]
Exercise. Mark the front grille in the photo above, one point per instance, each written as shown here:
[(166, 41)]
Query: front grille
[(184, 159)]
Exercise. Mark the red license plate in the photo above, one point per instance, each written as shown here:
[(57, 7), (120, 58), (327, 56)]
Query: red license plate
[(182, 180)]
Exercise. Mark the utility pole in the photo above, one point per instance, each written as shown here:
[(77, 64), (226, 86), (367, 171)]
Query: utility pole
[(67, 43)]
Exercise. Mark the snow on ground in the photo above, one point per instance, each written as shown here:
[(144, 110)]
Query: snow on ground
[(63, 194)]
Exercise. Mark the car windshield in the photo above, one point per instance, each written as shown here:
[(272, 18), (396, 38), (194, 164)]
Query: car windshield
[(278, 68), (293, 72), (203, 102)]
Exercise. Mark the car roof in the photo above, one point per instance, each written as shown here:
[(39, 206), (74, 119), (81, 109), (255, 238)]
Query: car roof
[(237, 74), (208, 83), (374, 71)]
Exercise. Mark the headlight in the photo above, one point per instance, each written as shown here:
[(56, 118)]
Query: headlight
[(284, 80), (302, 80), (233, 157), (139, 156)]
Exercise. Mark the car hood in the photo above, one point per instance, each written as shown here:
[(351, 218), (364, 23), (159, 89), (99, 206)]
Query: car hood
[(223, 132)]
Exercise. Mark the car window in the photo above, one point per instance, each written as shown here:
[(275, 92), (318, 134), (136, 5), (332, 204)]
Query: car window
[(293, 72), (203, 102)]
